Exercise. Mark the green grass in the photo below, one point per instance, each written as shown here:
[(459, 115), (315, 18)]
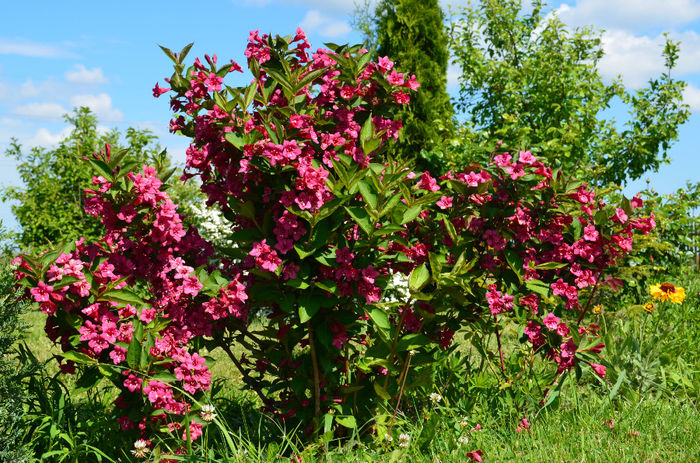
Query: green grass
[(655, 429), (649, 425)]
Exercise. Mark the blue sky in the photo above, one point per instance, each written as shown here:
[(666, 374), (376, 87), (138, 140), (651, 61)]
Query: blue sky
[(105, 55)]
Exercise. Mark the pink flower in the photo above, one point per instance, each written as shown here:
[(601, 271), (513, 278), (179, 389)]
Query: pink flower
[(445, 202), (562, 330), (590, 233), (133, 383), (289, 272), (503, 160), (42, 292), (476, 455), (402, 97), (551, 321), (599, 369), (385, 64), (265, 256), (191, 285), (498, 302), (427, 182), (620, 215), (526, 157), (395, 78), (155, 390), (157, 91)]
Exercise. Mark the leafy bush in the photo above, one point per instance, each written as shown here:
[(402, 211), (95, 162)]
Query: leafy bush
[(509, 252)]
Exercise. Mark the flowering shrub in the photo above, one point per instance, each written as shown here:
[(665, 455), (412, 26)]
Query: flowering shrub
[(323, 223)]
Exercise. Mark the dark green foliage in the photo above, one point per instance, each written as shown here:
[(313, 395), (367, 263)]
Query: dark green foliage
[(49, 207), (412, 34), (534, 84), (12, 392)]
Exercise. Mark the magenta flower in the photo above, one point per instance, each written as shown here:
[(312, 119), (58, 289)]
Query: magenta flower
[(550, 321), (599, 369), (42, 292), (445, 202)]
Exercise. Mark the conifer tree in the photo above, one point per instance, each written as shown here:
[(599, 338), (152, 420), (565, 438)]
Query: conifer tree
[(412, 34)]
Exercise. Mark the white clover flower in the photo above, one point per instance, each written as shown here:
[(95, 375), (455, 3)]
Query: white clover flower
[(463, 440), (207, 412), (435, 398), (140, 448), (388, 438), (464, 422), (404, 440)]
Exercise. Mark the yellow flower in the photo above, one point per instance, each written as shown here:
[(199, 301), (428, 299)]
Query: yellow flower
[(598, 309), (667, 291), (649, 306)]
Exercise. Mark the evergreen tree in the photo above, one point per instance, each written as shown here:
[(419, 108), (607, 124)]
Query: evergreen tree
[(412, 34)]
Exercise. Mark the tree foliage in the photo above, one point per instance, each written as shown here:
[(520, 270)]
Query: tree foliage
[(412, 33), (12, 392), (49, 207), (533, 82)]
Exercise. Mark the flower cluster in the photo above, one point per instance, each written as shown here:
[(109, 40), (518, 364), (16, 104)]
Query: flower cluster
[(133, 300)]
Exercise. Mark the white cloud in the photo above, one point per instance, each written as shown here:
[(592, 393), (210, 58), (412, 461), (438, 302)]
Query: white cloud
[(34, 49), (691, 96), (325, 25), (44, 137), (638, 57), (102, 129), (634, 15), (100, 104), (40, 110), (81, 75)]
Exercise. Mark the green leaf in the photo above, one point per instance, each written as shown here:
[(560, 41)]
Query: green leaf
[(515, 262), (309, 78), (550, 266), (308, 307), (163, 377), (380, 318), (122, 296), (411, 213), (385, 230), (133, 353), (359, 215), (367, 129), (78, 357), (412, 341), (236, 140), (102, 168), (280, 79), (420, 276), (303, 254), (89, 379), (368, 194), (381, 392), (537, 286), (183, 54), (347, 421), (390, 204)]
